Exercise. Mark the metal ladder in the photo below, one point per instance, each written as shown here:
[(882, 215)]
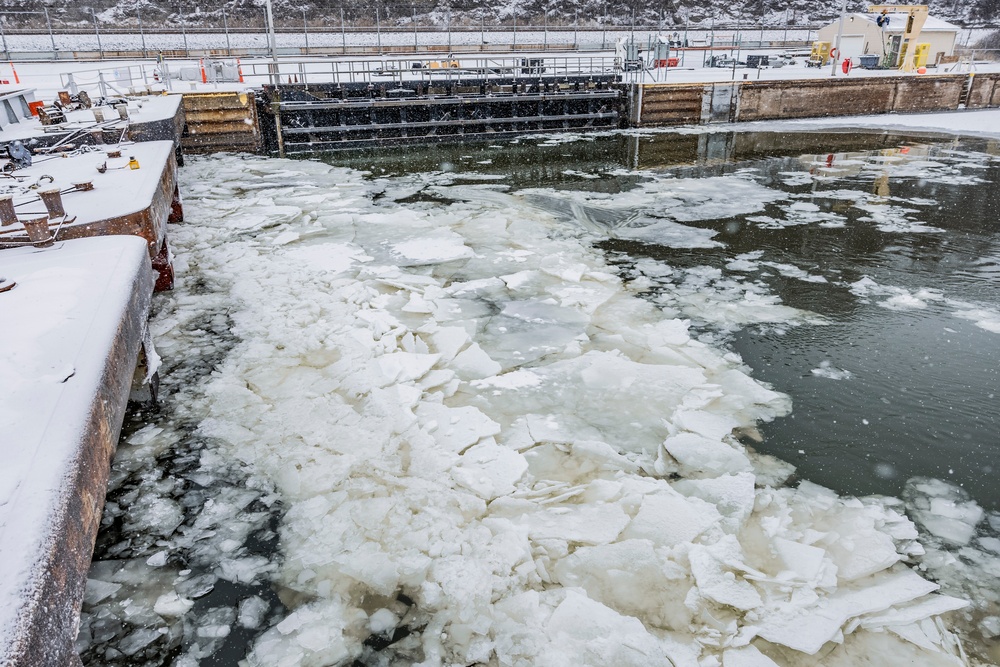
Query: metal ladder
[(963, 99)]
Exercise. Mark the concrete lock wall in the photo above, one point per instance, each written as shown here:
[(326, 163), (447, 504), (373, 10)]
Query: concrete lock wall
[(985, 91), (655, 105)]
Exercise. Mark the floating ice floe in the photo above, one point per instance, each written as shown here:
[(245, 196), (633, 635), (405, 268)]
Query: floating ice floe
[(491, 451), (828, 371)]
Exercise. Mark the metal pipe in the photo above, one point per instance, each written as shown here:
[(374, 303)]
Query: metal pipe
[(3, 39), (180, 19), (272, 42), (48, 23), (97, 31), (840, 32), (225, 28), (514, 47), (142, 36), (305, 30)]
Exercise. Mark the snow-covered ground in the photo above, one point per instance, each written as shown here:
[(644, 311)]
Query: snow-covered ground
[(484, 447)]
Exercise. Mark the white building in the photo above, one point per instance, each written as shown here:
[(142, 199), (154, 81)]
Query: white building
[(862, 35)]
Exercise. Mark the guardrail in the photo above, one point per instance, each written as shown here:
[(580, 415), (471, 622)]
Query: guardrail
[(105, 81), (411, 71)]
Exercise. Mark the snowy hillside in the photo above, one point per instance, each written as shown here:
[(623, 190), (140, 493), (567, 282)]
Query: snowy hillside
[(472, 12)]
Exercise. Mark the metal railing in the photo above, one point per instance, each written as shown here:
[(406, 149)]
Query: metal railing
[(107, 82), (411, 71), (146, 32)]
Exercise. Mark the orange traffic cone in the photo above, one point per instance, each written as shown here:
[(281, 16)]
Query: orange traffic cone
[(201, 64), (239, 70), (14, 71)]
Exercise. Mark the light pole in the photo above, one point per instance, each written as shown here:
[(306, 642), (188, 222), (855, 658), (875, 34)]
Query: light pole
[(272, 43), (840, 32)]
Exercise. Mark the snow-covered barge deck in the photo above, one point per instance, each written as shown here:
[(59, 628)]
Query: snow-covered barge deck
[(74, 322), (83, 241)]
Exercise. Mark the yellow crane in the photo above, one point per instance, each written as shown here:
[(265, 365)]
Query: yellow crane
[(916, 16)]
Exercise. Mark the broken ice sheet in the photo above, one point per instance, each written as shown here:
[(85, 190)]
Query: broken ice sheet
[(520, 511)]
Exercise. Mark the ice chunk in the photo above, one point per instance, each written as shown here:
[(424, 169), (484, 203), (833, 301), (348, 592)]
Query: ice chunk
[(808, 629), (382, 620), (668, 518), (711, 567), (942, 509), (138, 640), (431, 250), (244, 570), (406, 366), (455, 429), (933, 605), (448, 341), (474, 364), (586, 633), (332, 257), (252, 611), (805, 561), (585, 524), (490, 470), (98, 590), (171, 604), (699, 455), (732, 495), (631, 578), (746, 656)]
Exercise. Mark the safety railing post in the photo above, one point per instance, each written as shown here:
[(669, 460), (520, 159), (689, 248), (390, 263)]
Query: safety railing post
[(514, 47), (180, 19), (48, 23), (225, 29), (305, 30), (142, 36), (97, 31), (3, 40)]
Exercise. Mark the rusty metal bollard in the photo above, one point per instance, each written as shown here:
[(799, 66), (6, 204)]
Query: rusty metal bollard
[(38, 231), (7, 214), (52, 199)]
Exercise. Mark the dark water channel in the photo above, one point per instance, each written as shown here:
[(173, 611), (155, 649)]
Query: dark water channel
[(904, 387)]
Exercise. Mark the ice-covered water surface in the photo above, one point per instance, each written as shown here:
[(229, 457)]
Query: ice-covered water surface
[(482, 447)]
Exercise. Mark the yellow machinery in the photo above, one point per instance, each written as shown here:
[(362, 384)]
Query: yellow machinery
[(820, 54), (916, 16)]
